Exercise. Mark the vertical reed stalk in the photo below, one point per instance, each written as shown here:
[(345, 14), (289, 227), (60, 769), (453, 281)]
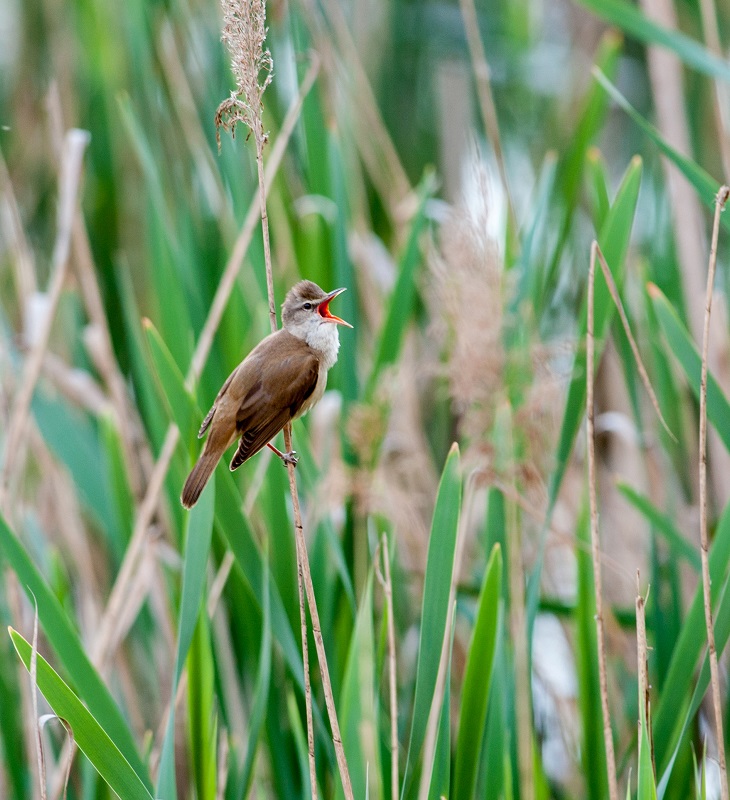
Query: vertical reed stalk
[(244, 32), (595, 544), (384, 579), (720, 199)]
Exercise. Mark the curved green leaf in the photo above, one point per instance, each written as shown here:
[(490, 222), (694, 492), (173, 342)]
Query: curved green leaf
[(630, 19), (478, 680), (93, 741), (197, 544), (681, 345), (65, 642)]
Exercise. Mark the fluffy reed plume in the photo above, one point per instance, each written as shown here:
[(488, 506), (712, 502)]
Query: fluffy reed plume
[(466, 296), (244, 32)]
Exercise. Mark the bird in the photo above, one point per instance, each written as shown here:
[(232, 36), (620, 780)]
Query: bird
[(278, 381)]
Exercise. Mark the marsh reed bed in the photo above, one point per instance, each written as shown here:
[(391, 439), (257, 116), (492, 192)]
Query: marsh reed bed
[(512, 503)]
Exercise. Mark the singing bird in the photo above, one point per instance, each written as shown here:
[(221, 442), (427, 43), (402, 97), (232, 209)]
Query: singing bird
[(280, 379)]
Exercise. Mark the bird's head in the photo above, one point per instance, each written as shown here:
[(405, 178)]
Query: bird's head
[(306, 308)]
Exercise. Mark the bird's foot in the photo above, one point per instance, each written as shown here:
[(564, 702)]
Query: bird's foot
[(286, 458)]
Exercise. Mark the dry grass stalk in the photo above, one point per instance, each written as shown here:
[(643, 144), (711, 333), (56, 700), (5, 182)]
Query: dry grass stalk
[(40, 759), (102, 649), (75, 144), (244, 32), (643, 664), (385, 582), (595, 544), (98, 333), (720, 200), (13, 234)]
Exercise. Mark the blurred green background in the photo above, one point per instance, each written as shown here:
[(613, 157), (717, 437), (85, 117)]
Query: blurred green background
[(450, 166)]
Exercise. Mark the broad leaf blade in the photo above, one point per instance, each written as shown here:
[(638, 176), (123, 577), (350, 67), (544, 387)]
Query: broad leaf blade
[(65, 642), (435, 609), (478, 680), (91, 738)]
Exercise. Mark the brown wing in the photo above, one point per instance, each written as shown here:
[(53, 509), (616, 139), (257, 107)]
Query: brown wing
[(273, 395), (209, 416)]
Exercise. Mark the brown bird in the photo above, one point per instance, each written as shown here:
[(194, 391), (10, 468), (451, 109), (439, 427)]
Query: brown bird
[(280, 379)]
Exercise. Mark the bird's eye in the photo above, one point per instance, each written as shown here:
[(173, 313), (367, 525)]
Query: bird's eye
[(308, 306)]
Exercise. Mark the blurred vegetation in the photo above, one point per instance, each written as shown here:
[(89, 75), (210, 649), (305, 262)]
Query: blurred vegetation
[(467, 298)]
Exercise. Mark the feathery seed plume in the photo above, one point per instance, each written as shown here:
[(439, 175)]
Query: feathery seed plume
[(244, 32)]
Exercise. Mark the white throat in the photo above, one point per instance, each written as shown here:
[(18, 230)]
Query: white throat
[(322, 337)]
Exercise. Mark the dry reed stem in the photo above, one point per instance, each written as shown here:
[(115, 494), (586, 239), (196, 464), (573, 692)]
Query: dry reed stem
[(590, 439), (482, 77), (253, 119), (40, 759), (75, 143), (642, 650), (121, 589), (720, 200), (13, 232), (102, 355), (385, 582), (627, 329), (244, 32)]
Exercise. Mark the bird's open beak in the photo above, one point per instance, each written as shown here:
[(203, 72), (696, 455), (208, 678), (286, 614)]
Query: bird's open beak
[(324, 310)]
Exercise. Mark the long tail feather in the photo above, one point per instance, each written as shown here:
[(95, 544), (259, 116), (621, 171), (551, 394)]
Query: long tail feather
[(197, 479)]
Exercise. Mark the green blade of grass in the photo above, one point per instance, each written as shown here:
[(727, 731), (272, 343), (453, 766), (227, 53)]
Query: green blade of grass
[(12, 741), (722, 634), (202, 711), (91, 738), (65, 642), (181, 406), (597, 186), (704, 184), (238, 533), (630, 19), (680, 344), (478, 680), (645, 782), (441, 773), (613, 241), (195, 562), (72, 436), (261, 691), (692, 640), (593, 752), (358, 704), (570, 167), (435, 608)]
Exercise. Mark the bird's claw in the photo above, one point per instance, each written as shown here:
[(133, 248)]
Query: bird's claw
[(290, 458)]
